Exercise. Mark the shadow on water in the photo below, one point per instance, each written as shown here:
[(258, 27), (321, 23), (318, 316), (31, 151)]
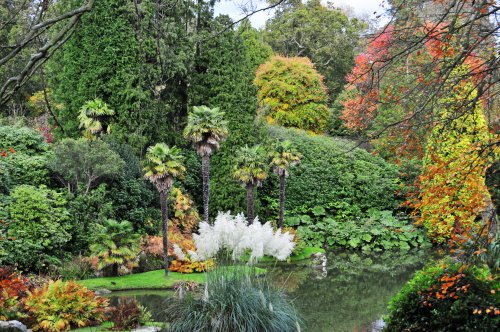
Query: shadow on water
[(350, 294)]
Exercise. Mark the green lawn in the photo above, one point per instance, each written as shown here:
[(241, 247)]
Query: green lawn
[(147, 280), (157, 280)]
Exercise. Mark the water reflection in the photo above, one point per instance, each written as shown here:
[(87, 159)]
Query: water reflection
[(349, 295), (153, 300), (354, 292)]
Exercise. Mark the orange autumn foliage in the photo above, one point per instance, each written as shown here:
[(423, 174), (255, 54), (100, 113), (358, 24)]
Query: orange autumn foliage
[(452, 184)]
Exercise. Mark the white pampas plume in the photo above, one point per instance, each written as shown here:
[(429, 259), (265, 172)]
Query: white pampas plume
[(233, 234), (179, 253)]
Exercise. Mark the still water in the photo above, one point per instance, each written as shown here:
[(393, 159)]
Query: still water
[(348, 294)]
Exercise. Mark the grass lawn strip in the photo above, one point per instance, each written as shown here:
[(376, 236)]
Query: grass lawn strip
[(147, 280), (157, 280)]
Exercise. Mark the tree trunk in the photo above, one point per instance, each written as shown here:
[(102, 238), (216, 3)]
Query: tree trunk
[(164, 222), (282, 201), (490, 218), (250, 208), (114, 270), (205, 170)]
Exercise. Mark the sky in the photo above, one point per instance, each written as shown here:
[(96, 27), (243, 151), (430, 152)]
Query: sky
[(233, 8)]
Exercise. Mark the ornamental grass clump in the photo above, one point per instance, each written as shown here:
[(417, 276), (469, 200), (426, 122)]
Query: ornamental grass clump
[(235, 299), (231, 234)]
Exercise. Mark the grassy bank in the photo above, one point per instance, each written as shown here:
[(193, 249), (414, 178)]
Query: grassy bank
[(147, 280)]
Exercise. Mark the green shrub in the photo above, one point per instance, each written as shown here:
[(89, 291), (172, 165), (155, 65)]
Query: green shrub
[(28, 164), (81, 165), (380, 230), (115, 246), (38, 227), (345, 182), (59, 306), (234, 300), (76, 268), (129, 314), (20, 168), (447, 297), (137, 201), (22, 139), (86, 212)]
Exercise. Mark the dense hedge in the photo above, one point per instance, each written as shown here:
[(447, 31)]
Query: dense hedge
[(334, 176)]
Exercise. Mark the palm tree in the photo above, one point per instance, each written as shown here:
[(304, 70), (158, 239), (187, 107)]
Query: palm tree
[(282, 158), (206, 128), (94, 117), (162, 165), (116, 245), (250, 169)]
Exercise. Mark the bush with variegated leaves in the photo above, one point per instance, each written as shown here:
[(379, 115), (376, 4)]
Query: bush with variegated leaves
[(60, 306)]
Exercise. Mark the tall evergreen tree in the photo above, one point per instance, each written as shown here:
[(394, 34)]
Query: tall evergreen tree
[(103, 59), (223, 78)]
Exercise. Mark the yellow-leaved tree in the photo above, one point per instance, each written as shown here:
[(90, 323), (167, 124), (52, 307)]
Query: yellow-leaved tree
[(291, 93), (453, 192)]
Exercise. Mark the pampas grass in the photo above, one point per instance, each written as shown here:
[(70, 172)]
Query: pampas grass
[(235, 299), (232, 235)]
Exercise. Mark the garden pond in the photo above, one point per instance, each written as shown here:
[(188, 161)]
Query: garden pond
[(350, 293)]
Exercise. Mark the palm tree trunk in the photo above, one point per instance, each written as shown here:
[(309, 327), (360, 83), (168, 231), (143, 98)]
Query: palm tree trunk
[(282, 201), (164, 222), (205, 170), (250, 204)]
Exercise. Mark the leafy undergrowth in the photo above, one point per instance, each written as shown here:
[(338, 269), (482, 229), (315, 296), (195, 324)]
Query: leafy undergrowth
[(147, 280)]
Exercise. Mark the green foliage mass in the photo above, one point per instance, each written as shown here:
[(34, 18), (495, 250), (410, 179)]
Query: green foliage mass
[(103, 59), (380, 230), (331, 191), (292, 94), (20, 168), (224, 79), (332, 174), (115, 246), (416, 306), (325, 34), (28, 164), (256, 50), (22, 139), (38, 228), (82, 164)]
